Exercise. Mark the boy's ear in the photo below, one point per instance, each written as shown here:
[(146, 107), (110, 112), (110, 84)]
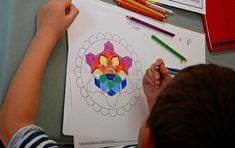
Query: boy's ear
[(147, 140)]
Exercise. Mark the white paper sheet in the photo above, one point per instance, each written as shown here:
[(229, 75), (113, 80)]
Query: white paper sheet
[(198, 6), (67, 122), (189, 43), (118, 116)]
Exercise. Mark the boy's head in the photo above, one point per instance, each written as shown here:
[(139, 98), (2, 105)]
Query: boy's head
[(196, 109)]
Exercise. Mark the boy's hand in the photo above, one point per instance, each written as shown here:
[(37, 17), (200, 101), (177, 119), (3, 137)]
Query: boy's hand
[(154, 82), (55, 17)]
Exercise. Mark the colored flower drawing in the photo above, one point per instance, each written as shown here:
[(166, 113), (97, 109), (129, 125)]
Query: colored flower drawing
[(109, 69), (108, 74)]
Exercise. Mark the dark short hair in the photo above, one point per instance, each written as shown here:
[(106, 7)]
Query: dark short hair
[(196, 109)]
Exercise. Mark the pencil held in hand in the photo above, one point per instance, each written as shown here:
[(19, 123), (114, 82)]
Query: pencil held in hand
[(172, 71)]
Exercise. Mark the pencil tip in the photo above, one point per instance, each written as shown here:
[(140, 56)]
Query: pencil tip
[(128, 16), (183, 61), (157, 67)]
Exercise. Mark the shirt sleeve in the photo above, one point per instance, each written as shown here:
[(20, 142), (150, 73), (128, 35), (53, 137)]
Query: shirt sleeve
[(31, 136)]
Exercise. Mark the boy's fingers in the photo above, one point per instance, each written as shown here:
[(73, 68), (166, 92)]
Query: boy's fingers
[(161, 65), (67, 3), (156, 74), (159, 62), (150, 74), (164, 71), (73, 12), (147, 79)]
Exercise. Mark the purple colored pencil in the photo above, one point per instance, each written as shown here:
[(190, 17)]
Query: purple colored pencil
[(150, 26)]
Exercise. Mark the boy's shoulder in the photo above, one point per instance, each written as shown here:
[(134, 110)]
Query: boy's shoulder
[(31, 136)]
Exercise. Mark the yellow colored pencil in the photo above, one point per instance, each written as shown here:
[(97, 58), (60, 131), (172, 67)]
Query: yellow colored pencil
[(145, 8), (153, 2)]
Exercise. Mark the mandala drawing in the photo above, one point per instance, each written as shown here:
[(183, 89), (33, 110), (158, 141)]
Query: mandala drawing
[(108, 74), (109, 69)]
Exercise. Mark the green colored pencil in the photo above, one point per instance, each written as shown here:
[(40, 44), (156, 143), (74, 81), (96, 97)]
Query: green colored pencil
[(169, 48)]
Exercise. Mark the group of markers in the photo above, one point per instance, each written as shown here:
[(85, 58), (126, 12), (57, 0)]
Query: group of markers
[(147, 8), (152, 9)]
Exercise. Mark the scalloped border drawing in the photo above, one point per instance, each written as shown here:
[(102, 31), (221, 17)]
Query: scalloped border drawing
[(85, 92)]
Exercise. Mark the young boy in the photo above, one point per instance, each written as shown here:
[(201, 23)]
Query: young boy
[(195, 109)]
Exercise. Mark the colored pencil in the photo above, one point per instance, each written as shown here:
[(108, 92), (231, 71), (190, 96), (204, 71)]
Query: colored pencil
[(155, 7), (143, 2), (133, 8), (159, 8), (153, 2), (150, 26), (169, 48), (145, 8), (172, 71)]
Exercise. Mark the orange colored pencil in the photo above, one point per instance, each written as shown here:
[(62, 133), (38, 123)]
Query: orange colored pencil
[(138, 10)]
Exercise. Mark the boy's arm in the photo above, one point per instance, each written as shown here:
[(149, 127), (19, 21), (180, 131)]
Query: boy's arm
[(21, 102)]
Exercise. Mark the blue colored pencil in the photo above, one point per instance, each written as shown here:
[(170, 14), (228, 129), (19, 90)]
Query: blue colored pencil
[(172, 71)]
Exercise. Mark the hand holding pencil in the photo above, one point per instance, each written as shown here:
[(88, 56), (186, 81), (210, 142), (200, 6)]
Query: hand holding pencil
[(155, 80)]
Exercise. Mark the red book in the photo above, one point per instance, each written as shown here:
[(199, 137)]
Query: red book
[(219, 24)]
